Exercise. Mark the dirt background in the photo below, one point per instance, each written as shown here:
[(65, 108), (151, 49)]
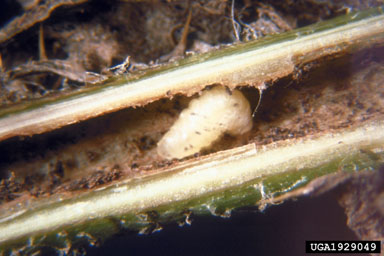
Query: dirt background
[(52, 47)]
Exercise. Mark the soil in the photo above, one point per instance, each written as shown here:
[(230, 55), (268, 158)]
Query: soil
[(77, 37)]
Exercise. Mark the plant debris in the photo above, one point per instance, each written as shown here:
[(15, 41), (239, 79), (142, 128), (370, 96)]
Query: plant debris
[(58, 45)]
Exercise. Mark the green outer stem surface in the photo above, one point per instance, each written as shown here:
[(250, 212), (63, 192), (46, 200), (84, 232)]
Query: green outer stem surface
[(185, 187), (244, 64)]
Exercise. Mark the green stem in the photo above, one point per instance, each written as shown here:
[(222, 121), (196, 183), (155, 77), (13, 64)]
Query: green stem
[(217, 184), (243, 64)]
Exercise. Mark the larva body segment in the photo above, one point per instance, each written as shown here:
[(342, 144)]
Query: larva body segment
[(206, 119)]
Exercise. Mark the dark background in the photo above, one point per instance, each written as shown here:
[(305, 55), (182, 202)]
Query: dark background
[(278, 230)]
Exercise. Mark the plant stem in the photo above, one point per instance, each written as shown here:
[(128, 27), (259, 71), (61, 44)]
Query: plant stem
[(242, 64)]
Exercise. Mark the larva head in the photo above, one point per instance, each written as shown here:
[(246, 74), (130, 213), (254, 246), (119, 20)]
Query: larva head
[(237, 114), (206, 119)]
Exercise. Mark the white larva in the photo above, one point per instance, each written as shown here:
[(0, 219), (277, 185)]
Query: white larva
[(207, 118)]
